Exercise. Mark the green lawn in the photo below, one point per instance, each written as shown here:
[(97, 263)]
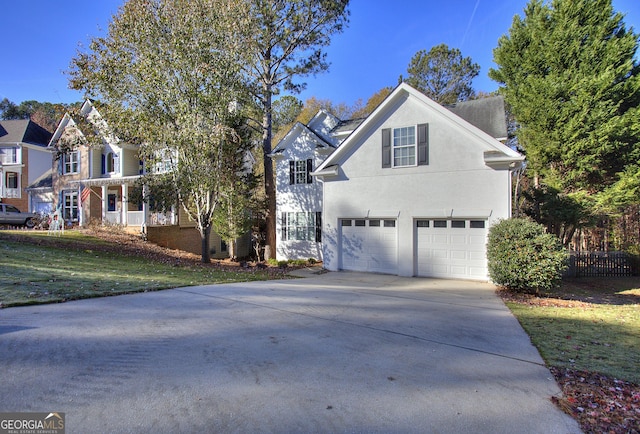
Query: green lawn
[(36, 273), (597, 331)]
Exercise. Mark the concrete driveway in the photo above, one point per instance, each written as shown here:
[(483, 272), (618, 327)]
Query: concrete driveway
[(337, 352)]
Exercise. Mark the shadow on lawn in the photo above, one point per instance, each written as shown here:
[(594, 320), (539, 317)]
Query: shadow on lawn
[(599, 290)]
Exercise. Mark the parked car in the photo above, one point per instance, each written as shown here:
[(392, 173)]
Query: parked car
[(10, 215)]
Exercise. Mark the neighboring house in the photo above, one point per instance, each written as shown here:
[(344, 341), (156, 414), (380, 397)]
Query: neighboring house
[(93, 182), (24, 158), (412, 190), (99, 182)]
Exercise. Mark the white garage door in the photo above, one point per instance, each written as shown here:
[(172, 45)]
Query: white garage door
[(369, 245), (451, 248)]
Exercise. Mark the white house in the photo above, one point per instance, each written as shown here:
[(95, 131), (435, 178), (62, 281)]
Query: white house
[(413, 191), (299, 195)]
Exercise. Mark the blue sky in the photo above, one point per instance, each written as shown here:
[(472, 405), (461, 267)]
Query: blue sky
[(41, 37)]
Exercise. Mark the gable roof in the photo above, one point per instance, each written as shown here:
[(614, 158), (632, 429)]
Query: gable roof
[(499, 152), (297, 129), (23, 131)]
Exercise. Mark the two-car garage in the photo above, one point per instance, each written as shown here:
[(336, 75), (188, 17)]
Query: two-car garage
[(443, 248)]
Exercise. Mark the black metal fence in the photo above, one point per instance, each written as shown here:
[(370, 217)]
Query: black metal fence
[(601, 264)]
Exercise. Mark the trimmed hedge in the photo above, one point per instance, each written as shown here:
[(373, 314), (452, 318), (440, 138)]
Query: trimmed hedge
[(522, 257)]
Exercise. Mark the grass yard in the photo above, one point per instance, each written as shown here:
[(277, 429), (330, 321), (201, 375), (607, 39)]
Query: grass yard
[(36, 268), (588, 332)]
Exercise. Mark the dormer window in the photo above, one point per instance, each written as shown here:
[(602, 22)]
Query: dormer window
[(300, 171)]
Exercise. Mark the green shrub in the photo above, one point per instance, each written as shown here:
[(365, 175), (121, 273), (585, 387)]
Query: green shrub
[(273, 262), (298, 262), (522, 257)]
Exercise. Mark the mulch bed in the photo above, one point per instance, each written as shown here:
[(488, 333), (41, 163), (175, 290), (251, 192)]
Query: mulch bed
[(599, 403)]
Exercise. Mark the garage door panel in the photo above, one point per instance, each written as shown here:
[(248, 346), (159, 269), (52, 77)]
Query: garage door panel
[(451, 252), (369, 248), (459, 254)]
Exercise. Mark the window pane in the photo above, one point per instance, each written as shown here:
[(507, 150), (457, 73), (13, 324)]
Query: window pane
[(301, 171), (422, 223), (374, 223), (360, 222), (439, 223), (346, 222), (458, 224), (389, 223), (476, 224)]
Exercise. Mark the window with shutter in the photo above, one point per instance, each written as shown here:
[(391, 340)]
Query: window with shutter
[(405, 146), (300, 171)]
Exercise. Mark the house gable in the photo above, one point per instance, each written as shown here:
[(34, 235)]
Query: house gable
[(454, 144)]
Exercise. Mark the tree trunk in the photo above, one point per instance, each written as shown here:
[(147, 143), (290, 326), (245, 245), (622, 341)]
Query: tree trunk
[(269, 177), (205, 234), (232, 245)]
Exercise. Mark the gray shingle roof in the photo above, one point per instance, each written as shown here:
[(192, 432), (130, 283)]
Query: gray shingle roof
[(23, 131), (347, 125), (488, 114)]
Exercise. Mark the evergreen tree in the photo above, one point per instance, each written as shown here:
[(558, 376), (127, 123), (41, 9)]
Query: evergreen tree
[(568, 73)]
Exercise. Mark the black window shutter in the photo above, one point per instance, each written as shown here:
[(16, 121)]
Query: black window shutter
[(386, 148), (318, 227), (423, 144), (292, 172), (104, 164), (284, 226), (309, 170)]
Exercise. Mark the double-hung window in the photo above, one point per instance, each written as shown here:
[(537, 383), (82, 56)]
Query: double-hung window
[(301, 226), (71, 162), (300, 171), (405, 146), (70, 205)]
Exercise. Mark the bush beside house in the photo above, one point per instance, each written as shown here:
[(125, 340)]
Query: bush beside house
[(522, 257)]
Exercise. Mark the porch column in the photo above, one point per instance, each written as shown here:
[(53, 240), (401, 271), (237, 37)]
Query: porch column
[(105, 203), (124, 205)]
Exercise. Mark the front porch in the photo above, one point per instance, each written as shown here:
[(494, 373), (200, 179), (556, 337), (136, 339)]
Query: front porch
[(118, 201)]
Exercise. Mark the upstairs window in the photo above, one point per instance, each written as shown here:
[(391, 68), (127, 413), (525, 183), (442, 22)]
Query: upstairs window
[(405, 146), (300, 171), (8, 155), (110, 162), (71, 162)]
